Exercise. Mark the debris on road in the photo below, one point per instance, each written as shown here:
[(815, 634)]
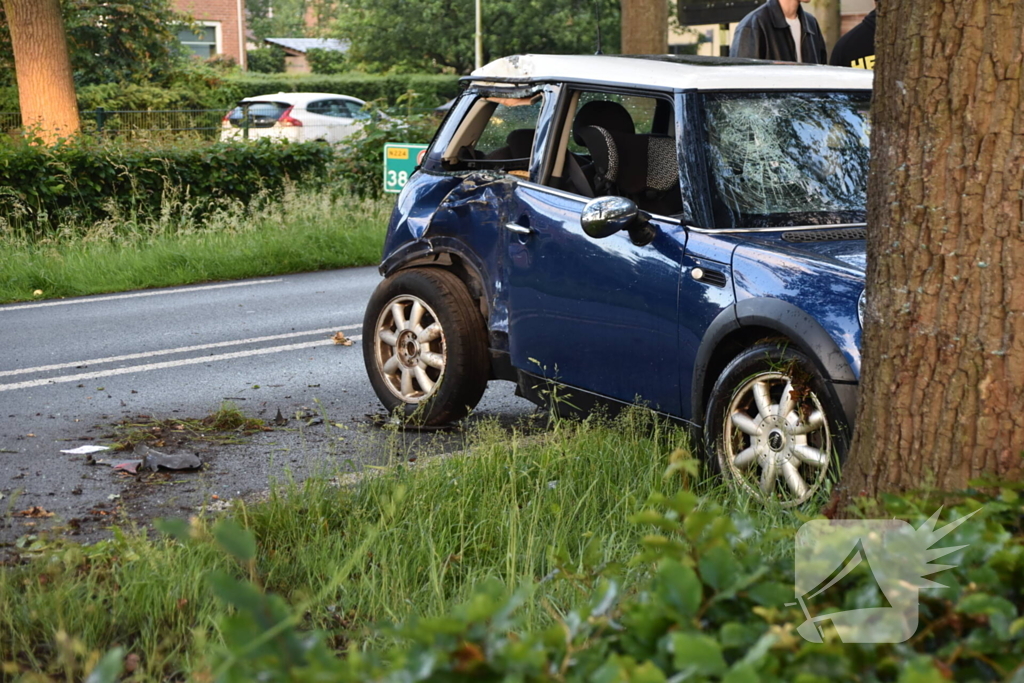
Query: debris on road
[(130, 466), (280, 420), (34, 511), (154, 460), (85, 450), (341, 339)]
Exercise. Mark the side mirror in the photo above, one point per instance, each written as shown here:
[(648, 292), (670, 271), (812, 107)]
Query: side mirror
[(606, 216)]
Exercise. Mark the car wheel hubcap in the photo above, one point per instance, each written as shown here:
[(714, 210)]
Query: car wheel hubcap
[(777, 442), (410, 346)]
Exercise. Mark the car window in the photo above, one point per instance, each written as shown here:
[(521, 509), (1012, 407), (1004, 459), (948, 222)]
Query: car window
[(620, 145), (498, 134), (353, 110), (261, 114), (788, 159)]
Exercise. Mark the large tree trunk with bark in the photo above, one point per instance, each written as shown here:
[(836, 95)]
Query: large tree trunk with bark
[(829, 20), (43, 70), (644, 27), (942, 392)]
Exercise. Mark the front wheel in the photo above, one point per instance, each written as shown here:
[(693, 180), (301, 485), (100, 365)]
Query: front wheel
[(772, 425), (425, 346)]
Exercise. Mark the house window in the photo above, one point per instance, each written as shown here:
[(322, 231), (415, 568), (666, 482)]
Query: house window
[(203, 40)]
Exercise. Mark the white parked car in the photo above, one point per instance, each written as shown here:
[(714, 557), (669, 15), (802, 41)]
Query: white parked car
[(295, 116)]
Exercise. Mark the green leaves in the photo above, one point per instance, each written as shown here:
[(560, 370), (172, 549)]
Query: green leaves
[(680, 588)]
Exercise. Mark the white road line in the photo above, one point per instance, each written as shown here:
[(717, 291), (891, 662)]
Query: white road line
[(154, 292), (168, 364), (182, 349)]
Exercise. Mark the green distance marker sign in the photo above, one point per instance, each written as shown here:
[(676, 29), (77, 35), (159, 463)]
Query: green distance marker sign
[(399, 164)]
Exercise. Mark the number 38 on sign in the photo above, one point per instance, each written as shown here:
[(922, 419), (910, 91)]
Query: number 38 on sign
[(400, 160)]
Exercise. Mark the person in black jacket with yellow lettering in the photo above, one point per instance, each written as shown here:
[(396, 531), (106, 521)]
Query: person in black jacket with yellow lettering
[(857, 47), (780, 30)]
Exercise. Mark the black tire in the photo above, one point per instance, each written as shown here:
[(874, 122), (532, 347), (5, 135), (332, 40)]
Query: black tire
[(406, 376), (761, 452)]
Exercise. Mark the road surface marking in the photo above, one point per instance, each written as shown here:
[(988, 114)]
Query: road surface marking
[(169, 364), (182, 349), (154, 292)]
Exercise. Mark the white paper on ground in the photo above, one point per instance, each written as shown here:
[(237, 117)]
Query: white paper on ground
[(84, 450)]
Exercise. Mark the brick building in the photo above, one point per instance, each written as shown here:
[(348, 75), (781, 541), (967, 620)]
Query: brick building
[(221, 29)]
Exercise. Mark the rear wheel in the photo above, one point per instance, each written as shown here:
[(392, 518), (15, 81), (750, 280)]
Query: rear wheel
[(425, 346), (772, 425)]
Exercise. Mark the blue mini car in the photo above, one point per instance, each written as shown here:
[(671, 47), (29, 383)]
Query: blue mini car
[(686, 233)]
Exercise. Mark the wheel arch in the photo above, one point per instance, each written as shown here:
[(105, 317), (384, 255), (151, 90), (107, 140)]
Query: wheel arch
[(455, 262), (751, 320)]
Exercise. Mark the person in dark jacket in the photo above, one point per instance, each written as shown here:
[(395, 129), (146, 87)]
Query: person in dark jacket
[(857, 47), (780, 30)]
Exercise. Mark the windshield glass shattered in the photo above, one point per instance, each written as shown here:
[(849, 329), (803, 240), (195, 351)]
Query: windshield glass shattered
[(788, 159)]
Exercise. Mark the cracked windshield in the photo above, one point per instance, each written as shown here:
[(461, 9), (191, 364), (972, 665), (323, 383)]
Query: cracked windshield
[(788, 160)]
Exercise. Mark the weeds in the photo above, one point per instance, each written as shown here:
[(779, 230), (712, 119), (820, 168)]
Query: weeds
[(228, 425)]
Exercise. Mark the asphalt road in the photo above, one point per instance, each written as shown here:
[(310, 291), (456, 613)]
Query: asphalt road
[(71, 369)]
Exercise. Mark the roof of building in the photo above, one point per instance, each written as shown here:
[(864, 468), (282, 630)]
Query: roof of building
[(678, 72), (305, 44)]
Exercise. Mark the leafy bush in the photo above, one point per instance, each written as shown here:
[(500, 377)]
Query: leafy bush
[(266, 60), (42, 187), (715, 608), (327, 61), (360, 157)]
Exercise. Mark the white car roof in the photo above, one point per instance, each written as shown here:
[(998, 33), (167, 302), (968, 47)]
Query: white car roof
[(675, 72), (300, 98)]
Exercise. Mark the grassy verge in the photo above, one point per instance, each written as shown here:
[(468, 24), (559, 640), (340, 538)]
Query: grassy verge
[(305, 231), (511, 511)]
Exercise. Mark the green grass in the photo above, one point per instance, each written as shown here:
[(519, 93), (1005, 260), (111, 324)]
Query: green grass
[(514, 509), (504, 512), (304, 231)]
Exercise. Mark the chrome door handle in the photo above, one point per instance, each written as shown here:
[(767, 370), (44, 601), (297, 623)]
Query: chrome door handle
[(519, 229)]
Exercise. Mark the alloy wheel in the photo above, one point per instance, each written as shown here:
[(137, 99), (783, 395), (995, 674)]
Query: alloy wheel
[(410, 348)]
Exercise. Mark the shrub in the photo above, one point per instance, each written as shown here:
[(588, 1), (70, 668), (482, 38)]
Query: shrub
[(266, 60), (717, 607), (88, 180), (359, 161), (327, 61)]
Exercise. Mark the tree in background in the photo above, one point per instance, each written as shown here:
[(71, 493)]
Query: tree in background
[(43, 70), (942, 387), (291, 18), (114, 42), (644, 27), (829, 20), (437, 35)]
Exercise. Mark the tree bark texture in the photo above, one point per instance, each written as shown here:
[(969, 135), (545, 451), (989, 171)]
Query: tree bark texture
[(942, 387), (829, 20), (42, 67), (644, 27)]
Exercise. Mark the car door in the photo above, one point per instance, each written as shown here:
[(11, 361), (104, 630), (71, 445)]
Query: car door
[(342, 122), (595, 314), (599, 315)]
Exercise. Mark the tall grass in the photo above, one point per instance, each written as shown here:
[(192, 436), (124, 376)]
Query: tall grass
[(513, 509), (305, 230)]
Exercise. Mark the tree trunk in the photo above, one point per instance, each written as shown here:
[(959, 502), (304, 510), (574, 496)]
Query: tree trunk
[(644, 27), (942, 388), (829, 20), (43, 70)]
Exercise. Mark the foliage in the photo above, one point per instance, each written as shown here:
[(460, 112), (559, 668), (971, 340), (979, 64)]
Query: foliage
[(323, 61), (359, 157), (305, 230), (266, 60), (90, 181), (431, 90), (714, 609), (113, 42), (437, 35), (277, 18)]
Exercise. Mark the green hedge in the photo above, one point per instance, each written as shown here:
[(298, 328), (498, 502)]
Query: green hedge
[(222, 91), (41, 188)]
